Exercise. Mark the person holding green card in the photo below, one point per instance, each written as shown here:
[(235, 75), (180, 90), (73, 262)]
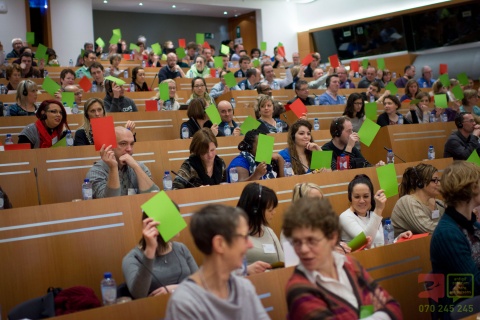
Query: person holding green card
[(222, 87), (28, 70), (420, 112), (197, 119), (461, 143), (391, 115), (470, 104), (199, 90), (199, 68)]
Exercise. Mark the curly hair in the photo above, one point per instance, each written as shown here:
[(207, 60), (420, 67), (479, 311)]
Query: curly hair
[(460, 183)]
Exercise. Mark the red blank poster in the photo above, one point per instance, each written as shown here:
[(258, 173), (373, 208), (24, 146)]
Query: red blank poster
[(103, 131), (354, 66), (151, 105), (182, 43), (306, 61), (298, 108), (443, 68)]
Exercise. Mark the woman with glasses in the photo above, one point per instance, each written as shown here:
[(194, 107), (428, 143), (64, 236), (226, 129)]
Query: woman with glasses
[(327, 284), (418, 209), (199, 90), (26, 99), (50, 127)]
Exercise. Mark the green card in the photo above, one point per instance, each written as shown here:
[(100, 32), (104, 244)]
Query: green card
[(225, 50), (357, 242), (31, 38), (60, 143), (218, 62), (69, 98), (256, 63), (160, 208), (387, 178), (263, 46), (230, 79), (444, 80), (463, 78), (133, 46), (213, 114), (264, 148), (368, 131), (441, 101), (180, 53), (371, 110), (392, 87), (164, 93), (381, 63), (157, 49), (414, 101), (250, 123), (474, 158), (41, 52), (458, 92), (321, 159), (119, 82), (365, 63), (50, 86), (114, 39), (366, 311), (200, 38), (100, 42), (117, 32), (280, 44)]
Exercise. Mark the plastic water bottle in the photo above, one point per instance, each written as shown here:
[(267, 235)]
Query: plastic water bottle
[(242, 86), (356, 75), (400, 119), (6, 110), (94, 87), (279, 126), (347, 85), (390, 156), (80, 73), (109, 289), (167, 181), (388, 234), (132, 87), (233, 175), (8, 139), (232, 102), (394, 75), (2, 89), (317, 100), (372, 98), (287, 169), (275, 85), (424, 84), (45, 73), (168, 105), (343, 165), (125, 74), (143, 64), (75, 108), (431, 153), (444, 117), (185, 132), (432, 118), (216, 73), (316, 124), (2, 200), (69, 138), (227, 131), (87, 191), (70, 63)]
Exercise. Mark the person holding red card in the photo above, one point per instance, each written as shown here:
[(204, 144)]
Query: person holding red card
[(115, 100), (301, 90)]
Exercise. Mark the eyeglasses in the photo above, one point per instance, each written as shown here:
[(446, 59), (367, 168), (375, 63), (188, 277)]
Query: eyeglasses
[(79, 93), (469, 120), (436, 180), (54, 112), (199, 86), (310, 242), (244, 236)]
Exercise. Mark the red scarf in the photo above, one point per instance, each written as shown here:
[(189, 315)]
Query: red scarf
[(45, 137)]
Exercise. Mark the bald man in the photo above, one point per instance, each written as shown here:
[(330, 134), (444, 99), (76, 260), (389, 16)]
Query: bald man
[(172, 70), (118, 173), (226, 114)]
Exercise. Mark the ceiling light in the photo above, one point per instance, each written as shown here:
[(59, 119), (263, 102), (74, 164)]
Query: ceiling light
[(105, 1), (174, 6), (140, 4), (225, 12), (236, 15)]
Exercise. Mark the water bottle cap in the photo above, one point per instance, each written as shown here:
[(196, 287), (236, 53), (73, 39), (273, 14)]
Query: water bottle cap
[(342, 155), (316, 119), (107, 275), (86, 180), (431, 146), (68, 131), (167, 172), (8, 135), (387, 221)]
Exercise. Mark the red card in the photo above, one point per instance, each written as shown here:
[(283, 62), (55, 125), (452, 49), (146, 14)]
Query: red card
[(287, 107), (103, 131), (306, 61), (334, 62), (85, 84), (126, 56), (443, 68), (298, 108), (354, 66), (151, 105), (415, 236), (281, 51), (206, 45), (18, 146), (181, 43), (213, 72)]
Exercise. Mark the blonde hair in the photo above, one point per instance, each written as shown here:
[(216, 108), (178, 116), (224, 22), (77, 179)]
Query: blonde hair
[(303, 189), (24, 85), (86, 123), (261, 101)]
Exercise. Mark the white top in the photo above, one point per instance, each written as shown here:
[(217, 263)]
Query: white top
[(371, 225), (266, 248)]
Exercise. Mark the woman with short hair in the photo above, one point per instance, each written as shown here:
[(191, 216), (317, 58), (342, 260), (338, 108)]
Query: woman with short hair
[(391, 114), (26, 98), (197, 119), (264, 111)]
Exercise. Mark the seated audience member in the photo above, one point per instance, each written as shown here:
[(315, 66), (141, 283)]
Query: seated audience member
[(17, 44), (244, 65), (153, 60), (308, 72), (138, 79), (420, 112), (199, 69), (78, 92), (236, 54), (50, 127), (28, 70), (203, 167), (259, 202), (386, 76), (199, 90), (264, 111), (172, 104), (96, 70), (278, 108), (299, 148), (156, 267), (89, 57), (320, 78), (418, 209), (228, 127), (52, 58), (343, 77), (197, 119), (461, 143), (118, 173), (454, 245), (67, 78), (331, 96), (411, 91), (13, 75), (26, 98), (247, 168), (390, 117), (269, 77), (327, 284), (255, 53), (207, 53), (409, 73), (470, 104), (114, 70), (306, 190), (115, 100), (301, 92), (296, 59), (221, 87), (365, 212), (369, 78), (426, 81), (253, 77), (93, 108), (355, 111), (343, 142), (297, 75), (221, 234), (141, 53), (453, 109), (373, 93), (122, 47)]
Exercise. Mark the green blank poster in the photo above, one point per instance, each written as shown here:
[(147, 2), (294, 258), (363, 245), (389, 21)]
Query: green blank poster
[(444, 80), (31, 38), (392, 87), (200, 37), (381, 63), (368, 131), (463, 78), (180, 53), (119, 82), (160, 208), (225, 50), (263, 46), (441, 101), (50, 86), (387, 178), (365, 63), (321, 159), (41, 52), (157, 49), (250, 123), (357, 242), (218, 62), (474, 158), (264, 148), (69, 98), (458, 92), (230, 79), (213, 114), (371, 110), (100, 42), (163, 89)]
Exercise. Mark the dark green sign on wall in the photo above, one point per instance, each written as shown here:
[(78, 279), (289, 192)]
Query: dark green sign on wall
[(208, 35)]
